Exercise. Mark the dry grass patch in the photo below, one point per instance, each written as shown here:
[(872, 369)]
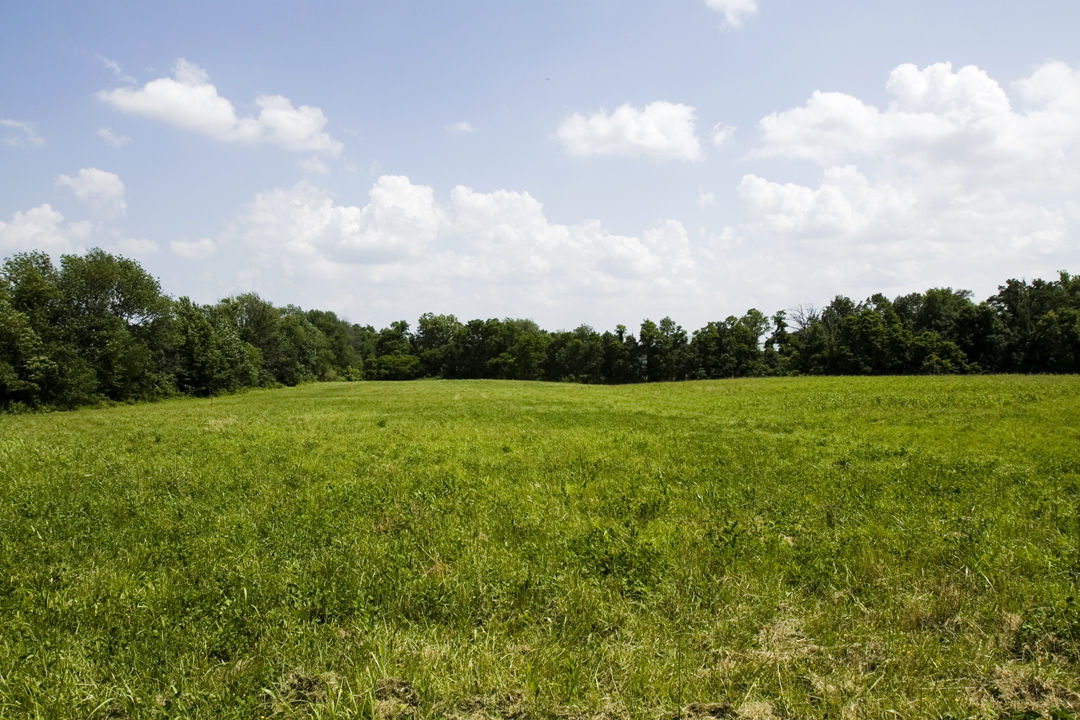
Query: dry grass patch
[(1017, 687), (395, 698), (299, 690)]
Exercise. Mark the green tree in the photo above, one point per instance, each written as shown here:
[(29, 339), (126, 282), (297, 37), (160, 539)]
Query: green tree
[(434, 341), (258, 323), (394, 357), (576, 356), (526, 351), (621, 357), (115, 316), (25, 367), (338, 359), (201, 365), (666, 351)]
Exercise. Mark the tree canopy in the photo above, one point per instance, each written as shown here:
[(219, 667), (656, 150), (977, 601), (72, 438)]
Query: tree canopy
[(99, 328)]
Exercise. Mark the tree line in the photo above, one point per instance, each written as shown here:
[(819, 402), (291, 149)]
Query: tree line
[(99, 328)]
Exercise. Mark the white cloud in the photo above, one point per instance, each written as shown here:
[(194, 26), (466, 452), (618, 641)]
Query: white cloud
[(399, 220), (660, 131), (475, 253), (958, 129), (844, 205), (1054, 86), (460, 127), (24, 133), (117, 141), (706, 199), (829, 127), (299, 129), (733, 10), (197, 250), (951, 182), (42, 228), (937, 117), (98, 189), (190, 101)]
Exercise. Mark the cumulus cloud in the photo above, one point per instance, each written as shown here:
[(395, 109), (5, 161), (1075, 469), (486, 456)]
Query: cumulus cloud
[(733, 10), (936, 116), (117, 141), (20, 133), (660, 131), (844, 205), (1054, 87), (42, 228), (189, 100), (950, 168), (405, 250), (399, 220), (101, 190)]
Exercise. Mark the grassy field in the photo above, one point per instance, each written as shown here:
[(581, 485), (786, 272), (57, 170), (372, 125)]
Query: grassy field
[(780, 548)]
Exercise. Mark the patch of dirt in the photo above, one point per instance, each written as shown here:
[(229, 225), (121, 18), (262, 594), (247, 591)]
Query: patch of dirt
[(395, 698)]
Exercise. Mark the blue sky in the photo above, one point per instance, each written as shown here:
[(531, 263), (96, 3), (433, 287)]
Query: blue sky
[(573, 162)]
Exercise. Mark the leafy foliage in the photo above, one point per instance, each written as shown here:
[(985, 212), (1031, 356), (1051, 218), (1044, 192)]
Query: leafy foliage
[(99, 328)]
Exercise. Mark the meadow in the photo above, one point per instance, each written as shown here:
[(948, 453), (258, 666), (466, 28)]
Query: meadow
[(767, 548)]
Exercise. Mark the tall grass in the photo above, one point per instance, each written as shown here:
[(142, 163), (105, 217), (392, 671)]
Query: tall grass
[(821, 547)]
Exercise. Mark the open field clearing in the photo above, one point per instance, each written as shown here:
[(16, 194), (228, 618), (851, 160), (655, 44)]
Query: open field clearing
[(779, 548)]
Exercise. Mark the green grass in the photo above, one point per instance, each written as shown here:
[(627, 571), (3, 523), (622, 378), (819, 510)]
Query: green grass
[(823, 547)]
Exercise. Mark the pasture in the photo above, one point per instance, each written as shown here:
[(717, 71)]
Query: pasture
[(769, 548)]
